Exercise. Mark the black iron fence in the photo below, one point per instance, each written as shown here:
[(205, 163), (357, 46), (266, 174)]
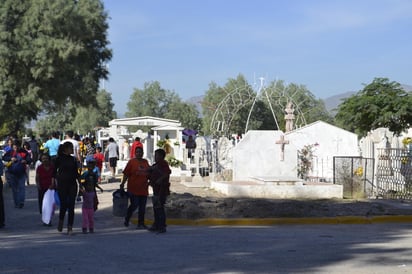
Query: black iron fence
[(356, 174)]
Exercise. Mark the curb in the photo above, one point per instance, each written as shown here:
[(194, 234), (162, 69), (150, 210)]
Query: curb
[(289, 221)]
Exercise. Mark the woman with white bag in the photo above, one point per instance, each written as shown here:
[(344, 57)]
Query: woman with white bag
[(44, 180)]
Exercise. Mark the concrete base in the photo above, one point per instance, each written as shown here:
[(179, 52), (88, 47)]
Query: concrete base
[(278, 190)]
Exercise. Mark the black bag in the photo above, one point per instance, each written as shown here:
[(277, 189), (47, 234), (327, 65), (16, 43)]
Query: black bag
[(120, 203)]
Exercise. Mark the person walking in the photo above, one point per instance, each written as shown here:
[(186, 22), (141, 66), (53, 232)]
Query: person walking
[(18, 159), (136, 143), (159, 175), (135, 173), (67, 176), (89, 179), (44, 178), (35, 150), (2, 215), (112, 151), (99, 157), (52, 146), (26, 146)]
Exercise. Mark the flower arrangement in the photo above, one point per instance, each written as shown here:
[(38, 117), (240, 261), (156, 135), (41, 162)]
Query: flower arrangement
[(406, 141), (172, 161), (161, 143), (305, 158), (358, 171)]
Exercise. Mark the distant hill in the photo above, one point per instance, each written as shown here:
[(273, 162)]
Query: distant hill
[(332, 103)]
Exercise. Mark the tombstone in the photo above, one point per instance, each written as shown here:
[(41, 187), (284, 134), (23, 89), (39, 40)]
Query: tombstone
[(224, 153), (203, 147), (262, 154), (331, 141)]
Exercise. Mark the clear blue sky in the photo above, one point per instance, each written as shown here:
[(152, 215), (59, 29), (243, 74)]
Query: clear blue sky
[(329, 46)]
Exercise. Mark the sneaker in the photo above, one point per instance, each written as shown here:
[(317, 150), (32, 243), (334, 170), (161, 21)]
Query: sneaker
[(141, 227), (21, 205), (126, 223), (91, 230), (84, 230)]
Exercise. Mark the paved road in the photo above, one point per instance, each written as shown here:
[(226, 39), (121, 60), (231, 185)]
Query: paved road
[(26, 246)]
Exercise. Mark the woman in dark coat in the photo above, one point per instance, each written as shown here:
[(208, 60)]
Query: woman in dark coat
[(67, 177)]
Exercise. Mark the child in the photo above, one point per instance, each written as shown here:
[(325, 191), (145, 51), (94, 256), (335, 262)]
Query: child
[(99, 157), (89, 184)]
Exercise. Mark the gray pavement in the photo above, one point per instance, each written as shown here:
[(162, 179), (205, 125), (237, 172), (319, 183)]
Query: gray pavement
[(26, 246)]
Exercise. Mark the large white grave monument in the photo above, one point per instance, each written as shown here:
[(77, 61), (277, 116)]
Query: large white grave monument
[(264, 155)]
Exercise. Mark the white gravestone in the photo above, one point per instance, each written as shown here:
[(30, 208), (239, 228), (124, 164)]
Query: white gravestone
[(258, 155)]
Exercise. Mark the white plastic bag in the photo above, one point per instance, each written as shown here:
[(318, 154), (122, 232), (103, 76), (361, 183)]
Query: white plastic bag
[(48, 206)]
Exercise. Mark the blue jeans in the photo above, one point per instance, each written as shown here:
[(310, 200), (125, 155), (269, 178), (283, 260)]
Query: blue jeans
[(137, 201), (17, 183)]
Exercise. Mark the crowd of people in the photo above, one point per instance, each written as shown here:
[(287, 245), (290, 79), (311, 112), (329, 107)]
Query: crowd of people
[(72, 167)]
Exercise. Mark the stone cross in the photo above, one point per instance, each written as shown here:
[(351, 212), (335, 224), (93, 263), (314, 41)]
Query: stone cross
[(282, 142)]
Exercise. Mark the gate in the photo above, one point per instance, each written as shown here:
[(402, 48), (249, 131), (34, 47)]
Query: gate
[(355, 174)]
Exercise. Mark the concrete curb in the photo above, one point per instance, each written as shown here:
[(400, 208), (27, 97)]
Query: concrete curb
[(289, 221)]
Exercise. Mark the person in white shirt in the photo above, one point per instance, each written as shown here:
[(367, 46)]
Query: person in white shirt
[(112, 151), (76, 146)]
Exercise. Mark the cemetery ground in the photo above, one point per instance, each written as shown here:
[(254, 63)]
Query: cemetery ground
[(204, 203), (29, 247)]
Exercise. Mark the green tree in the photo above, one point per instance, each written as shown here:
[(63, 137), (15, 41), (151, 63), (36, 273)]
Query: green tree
[(155, 101), (310, 108), (87, 119), (381, 103), (233, 103), (186, 113), (79, 118), (52, 54)]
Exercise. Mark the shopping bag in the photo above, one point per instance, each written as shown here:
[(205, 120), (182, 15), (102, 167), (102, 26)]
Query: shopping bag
[(48, 206)]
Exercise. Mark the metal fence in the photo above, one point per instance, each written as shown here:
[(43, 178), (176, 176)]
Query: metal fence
[(394, 174), (355, 174)]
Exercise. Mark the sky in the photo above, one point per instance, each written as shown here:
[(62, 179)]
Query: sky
[(329, 46)]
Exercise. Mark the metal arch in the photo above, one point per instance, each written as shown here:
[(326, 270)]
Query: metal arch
[(230, 105), (226, 110)]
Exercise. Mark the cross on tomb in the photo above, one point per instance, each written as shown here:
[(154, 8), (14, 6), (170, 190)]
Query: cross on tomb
[(282, 142)]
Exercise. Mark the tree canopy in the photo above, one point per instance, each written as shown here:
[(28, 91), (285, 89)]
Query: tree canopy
[(83, 119), (232, 104), (52, 53), (382, 103), (155, 101)]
